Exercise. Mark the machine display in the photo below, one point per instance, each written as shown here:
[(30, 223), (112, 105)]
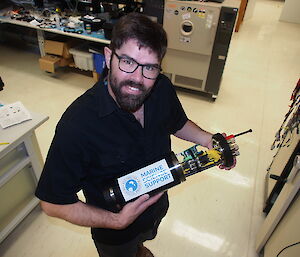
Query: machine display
[(171, 170)]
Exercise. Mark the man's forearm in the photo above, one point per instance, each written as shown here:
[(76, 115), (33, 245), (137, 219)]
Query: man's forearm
[(193, 133), (89, 216), (82, 214)]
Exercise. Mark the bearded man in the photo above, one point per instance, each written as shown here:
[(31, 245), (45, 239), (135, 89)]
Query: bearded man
[(119, 125)]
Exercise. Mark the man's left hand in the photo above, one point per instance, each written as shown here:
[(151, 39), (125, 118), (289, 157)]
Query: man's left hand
[(234, 160), (229, 168)]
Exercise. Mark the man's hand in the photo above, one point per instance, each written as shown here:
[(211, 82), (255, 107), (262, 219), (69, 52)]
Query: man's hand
[(132, 210), (229, 168), (234, 160)]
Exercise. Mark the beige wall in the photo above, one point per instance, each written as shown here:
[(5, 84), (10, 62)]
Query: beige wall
[(250, 9), (291, 11)]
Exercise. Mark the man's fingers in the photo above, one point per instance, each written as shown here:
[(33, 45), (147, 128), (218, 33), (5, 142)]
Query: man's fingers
[(228, 168), (133, 209), (233, 165), (143, 202), (141, 199), (154, 198)]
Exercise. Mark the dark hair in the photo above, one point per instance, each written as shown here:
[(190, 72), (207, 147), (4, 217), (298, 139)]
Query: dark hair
[(139, 27)]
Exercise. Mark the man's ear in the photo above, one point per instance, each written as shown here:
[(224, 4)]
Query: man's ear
[(107, 54)]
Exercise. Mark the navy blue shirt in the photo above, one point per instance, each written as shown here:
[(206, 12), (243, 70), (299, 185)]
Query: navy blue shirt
[(96, 141)]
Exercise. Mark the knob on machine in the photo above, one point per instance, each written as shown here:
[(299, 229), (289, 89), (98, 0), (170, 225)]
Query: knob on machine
[(171, 170)]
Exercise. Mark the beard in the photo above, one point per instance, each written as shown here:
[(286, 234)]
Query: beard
[(128, 102)]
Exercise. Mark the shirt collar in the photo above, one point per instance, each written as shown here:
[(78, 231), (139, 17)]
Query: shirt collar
[(107, 104)]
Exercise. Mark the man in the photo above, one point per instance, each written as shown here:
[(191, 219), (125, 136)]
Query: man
[(117, 126)]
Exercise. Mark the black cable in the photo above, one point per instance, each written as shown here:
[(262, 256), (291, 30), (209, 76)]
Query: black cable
[(287, 247)]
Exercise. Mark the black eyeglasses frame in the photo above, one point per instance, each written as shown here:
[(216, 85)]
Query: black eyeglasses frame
[(138, 64)]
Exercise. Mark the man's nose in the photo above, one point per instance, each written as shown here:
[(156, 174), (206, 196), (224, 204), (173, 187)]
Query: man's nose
[(138, 74)]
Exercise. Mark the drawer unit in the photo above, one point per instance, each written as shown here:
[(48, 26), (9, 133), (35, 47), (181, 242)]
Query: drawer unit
[(21, 164), (16, 194), (19, 170), (11, 159)]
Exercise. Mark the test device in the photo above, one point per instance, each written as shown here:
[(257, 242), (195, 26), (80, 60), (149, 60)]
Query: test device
[(199, 35), (171, 170)]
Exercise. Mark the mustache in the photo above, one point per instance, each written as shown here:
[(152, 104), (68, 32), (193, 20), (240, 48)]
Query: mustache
[(133, 84)]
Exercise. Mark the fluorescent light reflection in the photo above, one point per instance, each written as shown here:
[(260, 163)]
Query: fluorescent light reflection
[(204, 239), (232, 177)]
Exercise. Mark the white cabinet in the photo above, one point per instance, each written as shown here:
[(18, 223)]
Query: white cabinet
[(20, 167)]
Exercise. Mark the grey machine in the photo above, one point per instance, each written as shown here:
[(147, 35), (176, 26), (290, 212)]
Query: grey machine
[(199, 35)]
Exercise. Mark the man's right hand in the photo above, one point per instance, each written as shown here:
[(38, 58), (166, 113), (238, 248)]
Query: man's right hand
[(132, 210)]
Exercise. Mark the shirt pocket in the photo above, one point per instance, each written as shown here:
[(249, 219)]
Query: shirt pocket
[(120, 158), (111, 164)]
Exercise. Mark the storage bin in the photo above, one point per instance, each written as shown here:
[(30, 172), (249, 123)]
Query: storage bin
[(99, 62), (82, 58)]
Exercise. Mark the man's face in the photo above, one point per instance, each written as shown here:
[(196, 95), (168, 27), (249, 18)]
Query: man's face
[(129, 90)]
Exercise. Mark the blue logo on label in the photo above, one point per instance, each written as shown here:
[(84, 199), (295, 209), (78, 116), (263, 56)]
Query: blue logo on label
[(131, 185)]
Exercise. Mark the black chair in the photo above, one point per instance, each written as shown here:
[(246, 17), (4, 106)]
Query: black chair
[(1, 84)]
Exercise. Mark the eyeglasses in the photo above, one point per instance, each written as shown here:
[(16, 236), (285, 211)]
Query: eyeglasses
[(129, 65)]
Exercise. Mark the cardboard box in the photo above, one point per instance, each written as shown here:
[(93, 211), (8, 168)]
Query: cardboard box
[(65, 62), (48, 63), (58, 48)]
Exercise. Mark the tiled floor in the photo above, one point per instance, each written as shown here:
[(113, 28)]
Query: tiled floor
[(213, 214)]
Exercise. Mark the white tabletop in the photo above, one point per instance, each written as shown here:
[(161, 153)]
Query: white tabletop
[(14, 133)]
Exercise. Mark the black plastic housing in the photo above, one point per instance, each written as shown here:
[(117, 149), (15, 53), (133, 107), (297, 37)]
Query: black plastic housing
[(113, 195)]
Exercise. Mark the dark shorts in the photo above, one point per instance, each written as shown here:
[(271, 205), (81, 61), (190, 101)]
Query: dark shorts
[(128, 249)]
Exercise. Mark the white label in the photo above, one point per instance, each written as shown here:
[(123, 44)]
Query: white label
[(186, 16), (185, 39), (145, 180), (209, 21)]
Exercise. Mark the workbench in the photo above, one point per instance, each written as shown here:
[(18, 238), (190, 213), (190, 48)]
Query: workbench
[(94, 37)]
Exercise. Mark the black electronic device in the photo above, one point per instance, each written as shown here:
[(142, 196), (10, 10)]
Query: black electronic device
[(1, 84), (88, 6), (99, 6), (39, 3), (154, 8), (4, 4), (170, 171), (96, 23)]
